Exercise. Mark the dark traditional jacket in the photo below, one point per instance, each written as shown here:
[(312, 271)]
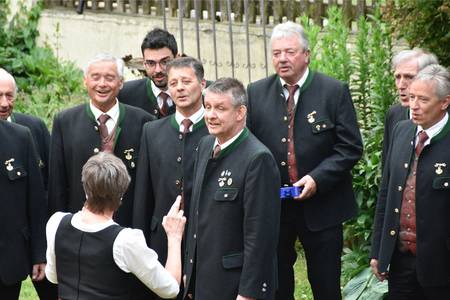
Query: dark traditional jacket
[(327, 143), (41, 137), (395, 114), (233, 222), (22, 205), (432, 204), (139, 93), (75, 138), (166, 167)]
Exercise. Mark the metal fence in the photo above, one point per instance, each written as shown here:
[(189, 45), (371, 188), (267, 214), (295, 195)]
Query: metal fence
[(259, 13)]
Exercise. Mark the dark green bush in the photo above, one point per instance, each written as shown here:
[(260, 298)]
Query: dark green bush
[(46, 85), (423, 23)]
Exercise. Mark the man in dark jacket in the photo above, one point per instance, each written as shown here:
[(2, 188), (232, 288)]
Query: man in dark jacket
[(412, 229), (102, 124), (406, 64), (234, 213), (308, 121), (150, 93), (41, 138), (166, 160)]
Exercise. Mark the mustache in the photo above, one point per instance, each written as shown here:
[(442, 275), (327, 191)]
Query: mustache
[(159, 74)]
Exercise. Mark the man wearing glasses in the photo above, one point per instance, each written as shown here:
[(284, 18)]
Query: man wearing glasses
[(151, 94)]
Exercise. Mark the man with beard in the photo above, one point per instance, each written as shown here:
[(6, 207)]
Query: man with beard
[(158, 49)]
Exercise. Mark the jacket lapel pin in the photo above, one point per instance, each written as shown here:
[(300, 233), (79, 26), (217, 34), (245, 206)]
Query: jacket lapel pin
[(8, 164), (439, 167), (128, 154), (310, 117)]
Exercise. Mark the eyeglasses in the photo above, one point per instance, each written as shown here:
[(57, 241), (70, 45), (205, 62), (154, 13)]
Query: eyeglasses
[(152, 64)]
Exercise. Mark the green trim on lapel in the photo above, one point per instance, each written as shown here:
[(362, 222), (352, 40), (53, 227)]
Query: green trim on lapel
[(90, 113), (151, 96), (13, 117), (119, 122), (237, 142), (199, 124), (443, 133), (307, 81), (174, 123)]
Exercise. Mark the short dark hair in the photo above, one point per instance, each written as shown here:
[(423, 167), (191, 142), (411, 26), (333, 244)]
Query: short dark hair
[(158, 39), (187, 62), (105, 180), (231, 86)]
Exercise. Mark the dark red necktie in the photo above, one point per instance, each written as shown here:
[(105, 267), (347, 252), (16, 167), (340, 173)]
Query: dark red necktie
[(292, 161), (164, 110)]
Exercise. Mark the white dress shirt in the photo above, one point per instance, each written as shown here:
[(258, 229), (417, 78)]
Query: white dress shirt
[(433, 130), (156, 91), (113, 114), (130, 253), (299, 83), (195, 118)]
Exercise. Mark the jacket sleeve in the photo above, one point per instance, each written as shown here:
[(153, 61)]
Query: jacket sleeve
[(347, 149), (143, 204), (37, 207), (261, 227), (57, 185)]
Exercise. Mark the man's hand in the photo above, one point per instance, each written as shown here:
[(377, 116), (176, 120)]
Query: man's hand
[(309, 187), (374, 267), (38, 272), (239, 297), (174, 221)]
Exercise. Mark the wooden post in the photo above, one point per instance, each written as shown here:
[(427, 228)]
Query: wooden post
[(133, 6), (238, 9), (146, 7), (121, 6), (108, 6), (94, 5), (277, 11), (319, 12), (360, 8), (347, 9), (251, 12), (223, 10)]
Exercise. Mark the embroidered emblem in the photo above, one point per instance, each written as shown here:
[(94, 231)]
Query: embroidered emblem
[(128, 154), (439, 167), (310, 117), (8, 164), (225, 178)]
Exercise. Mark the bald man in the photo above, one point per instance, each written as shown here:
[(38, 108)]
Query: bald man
[(41, 139)]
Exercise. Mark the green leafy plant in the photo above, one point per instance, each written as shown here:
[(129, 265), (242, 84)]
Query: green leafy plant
[(422, 23), (46, 85)]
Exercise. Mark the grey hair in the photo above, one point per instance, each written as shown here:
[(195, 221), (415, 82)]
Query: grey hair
[(109, 58), (232, 87), (5, 75), (440, 76), (290, 29), (187, 62), (105, 180), (422, 58)]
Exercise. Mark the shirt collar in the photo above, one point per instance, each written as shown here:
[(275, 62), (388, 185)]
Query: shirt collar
[(229, 142), (156, 91), (9, 119), (435, 129), (300, 82), (113, 112), (195, 117)]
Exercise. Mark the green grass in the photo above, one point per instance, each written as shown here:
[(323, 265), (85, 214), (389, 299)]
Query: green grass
[(28, 292), (302, 289)]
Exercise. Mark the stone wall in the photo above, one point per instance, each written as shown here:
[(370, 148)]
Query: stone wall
[(79, 37)]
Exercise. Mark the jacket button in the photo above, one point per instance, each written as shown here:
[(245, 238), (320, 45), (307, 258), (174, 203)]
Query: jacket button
[(283, 163), (396, 210), (155, 111), (191, 261), (179, 159), (283, 140), (177, 182), (18, 173), (195, 236), (406, 166), (285, 118), (96, 128), (96, 150), (263, 289), (392, 232), (180, 137), (400, 188), (446, 184)]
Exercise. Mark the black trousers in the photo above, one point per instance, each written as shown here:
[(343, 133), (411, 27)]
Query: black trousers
[(403, 283), (10, 292), (323, 251), (46, 290)]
